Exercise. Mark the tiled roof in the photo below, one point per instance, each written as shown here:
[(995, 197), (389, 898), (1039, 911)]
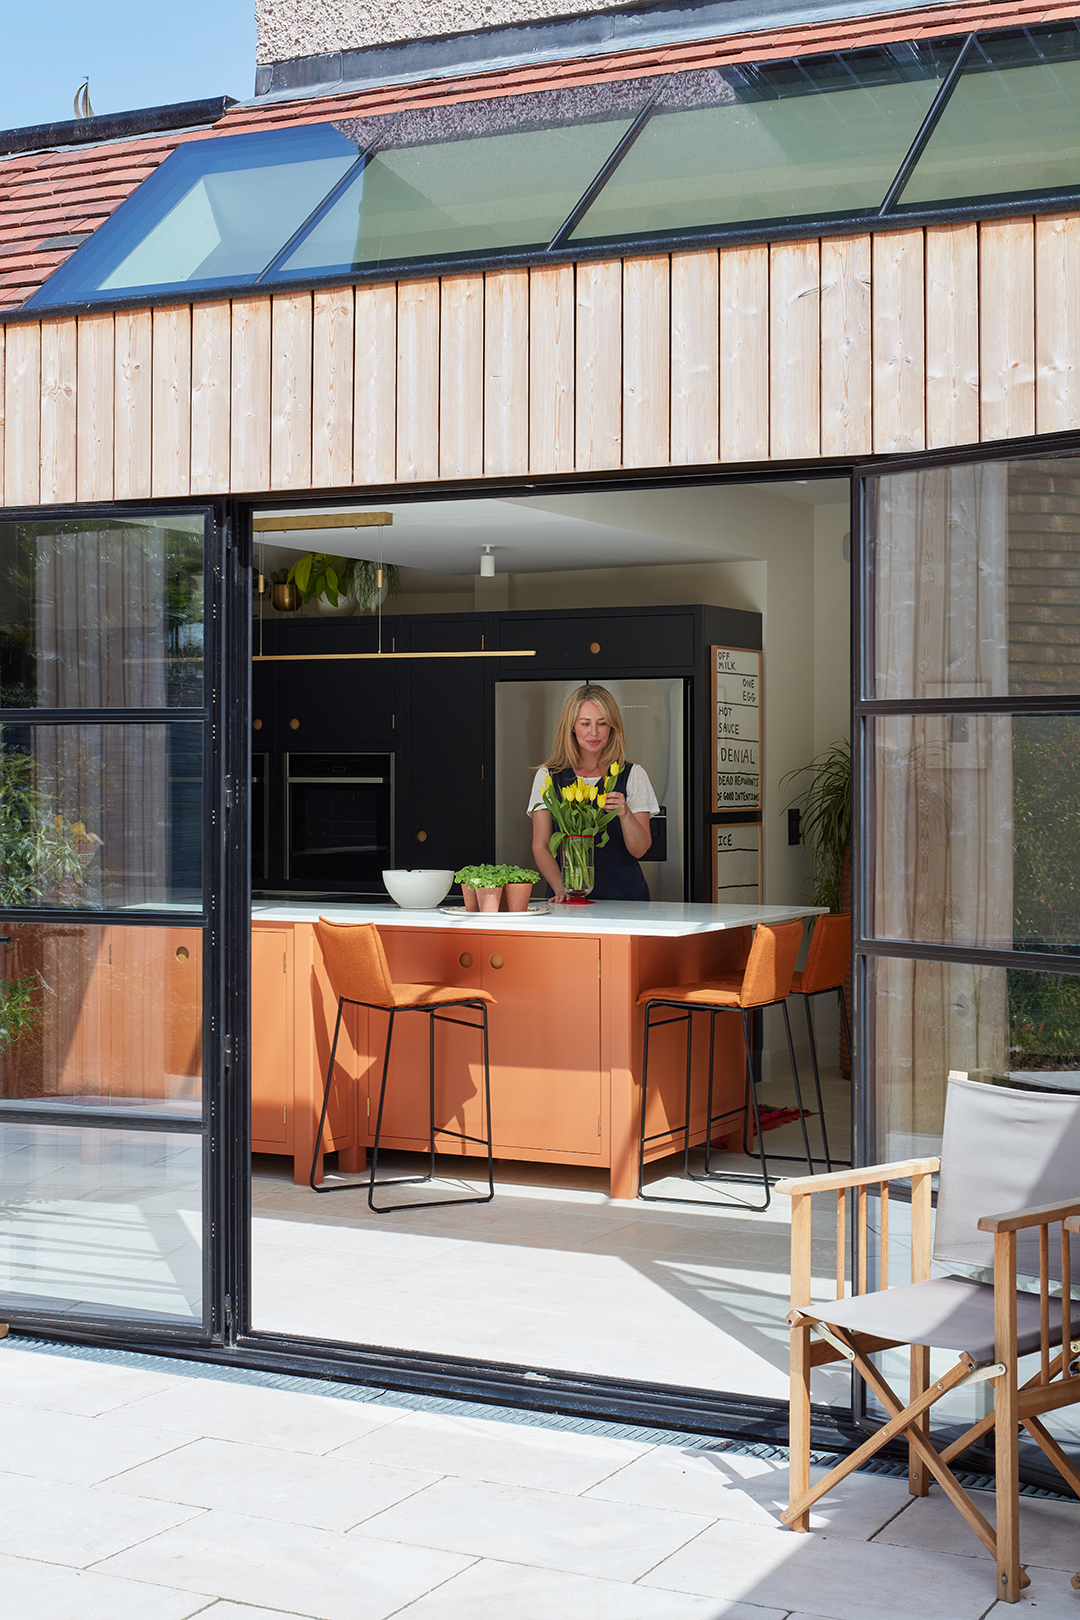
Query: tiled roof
[(50, 200)]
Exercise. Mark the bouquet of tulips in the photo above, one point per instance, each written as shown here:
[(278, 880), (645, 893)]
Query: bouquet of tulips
[(578, 810)]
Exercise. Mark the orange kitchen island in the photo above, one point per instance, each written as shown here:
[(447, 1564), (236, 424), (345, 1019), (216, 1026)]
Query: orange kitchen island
[(565, 1030)]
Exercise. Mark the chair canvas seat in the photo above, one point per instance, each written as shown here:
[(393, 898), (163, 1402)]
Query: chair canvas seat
[(719, 992), (946, 1313)]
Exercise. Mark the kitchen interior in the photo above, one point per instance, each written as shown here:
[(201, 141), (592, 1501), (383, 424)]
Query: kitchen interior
[(366, 763)]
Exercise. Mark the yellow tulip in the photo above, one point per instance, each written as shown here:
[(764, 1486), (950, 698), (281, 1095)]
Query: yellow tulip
[(568, 794), (547, 781), (592, 793), (579, 795), (601, 799)]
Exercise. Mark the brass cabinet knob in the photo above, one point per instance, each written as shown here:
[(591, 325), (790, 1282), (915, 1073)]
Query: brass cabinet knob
[(421, 837), (594, 646), (294, 725), (496, 960), (182, 953), (465, 959), (257, 724)]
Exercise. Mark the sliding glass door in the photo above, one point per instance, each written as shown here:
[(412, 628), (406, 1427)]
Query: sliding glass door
[(109, 869)]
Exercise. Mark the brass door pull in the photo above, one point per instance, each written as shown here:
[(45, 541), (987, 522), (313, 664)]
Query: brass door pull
[(465, 959), (496, 961), (294, 725), (594, 646), (257, 724), (421, 837)]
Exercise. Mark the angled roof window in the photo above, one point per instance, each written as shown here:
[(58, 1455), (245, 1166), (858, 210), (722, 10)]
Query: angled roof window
[(820, 137), (213, 214), (472, 178), (1012, 123)]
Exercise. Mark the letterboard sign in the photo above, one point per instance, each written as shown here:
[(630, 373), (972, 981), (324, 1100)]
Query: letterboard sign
[(737, 864), (736, 728)]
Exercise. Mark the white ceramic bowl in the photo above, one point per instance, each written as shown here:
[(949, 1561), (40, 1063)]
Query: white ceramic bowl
[(420, 890)]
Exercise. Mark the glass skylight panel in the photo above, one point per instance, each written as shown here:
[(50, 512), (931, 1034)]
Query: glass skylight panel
[(1012, 123), (475, 177), (214, 214), (818, 138)]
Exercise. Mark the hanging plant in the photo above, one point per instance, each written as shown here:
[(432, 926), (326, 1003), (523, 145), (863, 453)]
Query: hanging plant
[(320, 573), (826, 818)]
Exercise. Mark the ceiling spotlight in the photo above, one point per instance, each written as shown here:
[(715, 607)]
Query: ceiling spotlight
[(487, 564)]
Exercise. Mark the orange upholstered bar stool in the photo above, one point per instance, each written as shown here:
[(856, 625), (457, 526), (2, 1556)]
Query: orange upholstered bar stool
[(764, 982), (827, 964), (360, 976)]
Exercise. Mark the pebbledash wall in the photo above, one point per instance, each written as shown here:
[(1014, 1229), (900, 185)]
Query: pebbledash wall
[(844, 347)]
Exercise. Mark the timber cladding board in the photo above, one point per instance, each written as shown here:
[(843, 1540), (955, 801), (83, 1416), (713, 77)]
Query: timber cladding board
[(913, 338)]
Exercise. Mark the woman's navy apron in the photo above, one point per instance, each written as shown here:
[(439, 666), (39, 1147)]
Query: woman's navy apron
[(618, 874)]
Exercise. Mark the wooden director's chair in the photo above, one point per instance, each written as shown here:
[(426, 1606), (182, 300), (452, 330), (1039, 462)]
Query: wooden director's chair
[(1002, 1150)]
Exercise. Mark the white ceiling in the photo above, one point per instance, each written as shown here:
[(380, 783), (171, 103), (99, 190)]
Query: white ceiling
[(526, 536)]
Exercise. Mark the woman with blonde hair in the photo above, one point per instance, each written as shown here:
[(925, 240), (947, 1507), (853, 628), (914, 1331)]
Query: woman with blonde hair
[(588, 739)]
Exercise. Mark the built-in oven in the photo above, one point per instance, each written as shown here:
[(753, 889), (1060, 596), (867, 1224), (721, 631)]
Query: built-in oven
[(339, 821)]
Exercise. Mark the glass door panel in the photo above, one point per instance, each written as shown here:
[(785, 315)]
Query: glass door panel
[(106, 987)]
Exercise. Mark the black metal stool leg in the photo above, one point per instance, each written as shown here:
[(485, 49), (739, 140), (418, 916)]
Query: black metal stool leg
[(326, 1100), (689, 1072), (487, 1107), (798, 1089), (817, 1082), (753, 1102), (431, 1090), (709, 1095)]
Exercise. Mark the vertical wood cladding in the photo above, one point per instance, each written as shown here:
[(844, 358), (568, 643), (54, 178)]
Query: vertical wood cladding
[(822, 348)]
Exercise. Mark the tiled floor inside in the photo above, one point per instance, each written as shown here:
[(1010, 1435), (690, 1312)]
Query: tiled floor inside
[(553, 1273), (138, 1490)]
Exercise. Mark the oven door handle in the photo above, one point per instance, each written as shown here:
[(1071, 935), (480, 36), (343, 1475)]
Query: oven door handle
[(328, 781)]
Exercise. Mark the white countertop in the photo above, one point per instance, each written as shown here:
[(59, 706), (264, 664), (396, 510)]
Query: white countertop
[(670, 918)]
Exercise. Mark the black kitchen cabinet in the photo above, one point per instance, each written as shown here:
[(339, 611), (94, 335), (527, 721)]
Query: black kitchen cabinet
[(593, 644), (444, 740)]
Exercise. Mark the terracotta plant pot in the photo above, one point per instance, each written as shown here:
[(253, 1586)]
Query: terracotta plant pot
[(518, 896), (488, 899), (469, 897)]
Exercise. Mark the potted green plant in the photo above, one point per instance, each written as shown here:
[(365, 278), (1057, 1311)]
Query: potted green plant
[(340, 585), (825, 802), (284, 595), (481, 886), (518, 886), (43, 856)]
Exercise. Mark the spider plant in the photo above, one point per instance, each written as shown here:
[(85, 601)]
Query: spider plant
[(825, 801)]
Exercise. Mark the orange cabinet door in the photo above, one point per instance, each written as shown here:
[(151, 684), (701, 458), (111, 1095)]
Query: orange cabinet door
[(546, 1091), (417, 956), (271, 1038)]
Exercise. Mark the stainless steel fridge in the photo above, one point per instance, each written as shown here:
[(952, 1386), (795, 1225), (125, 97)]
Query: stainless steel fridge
[(526, 713)]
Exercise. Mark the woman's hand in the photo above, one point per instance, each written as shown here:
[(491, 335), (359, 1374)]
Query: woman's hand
[(617, 802)]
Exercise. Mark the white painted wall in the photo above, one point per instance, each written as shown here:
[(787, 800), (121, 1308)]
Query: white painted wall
[(290, 28)]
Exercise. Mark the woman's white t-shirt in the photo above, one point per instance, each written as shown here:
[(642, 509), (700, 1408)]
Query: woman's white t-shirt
[(638, 790)]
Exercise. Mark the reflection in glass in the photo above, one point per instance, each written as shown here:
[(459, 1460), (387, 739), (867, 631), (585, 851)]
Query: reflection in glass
[(1012, 123), (977, 830), (215, 212), (102, 1017), (976, 572), (101, 1222), (471, 178), (818, 137), (100, 815), (925, 1018), (102, 615)]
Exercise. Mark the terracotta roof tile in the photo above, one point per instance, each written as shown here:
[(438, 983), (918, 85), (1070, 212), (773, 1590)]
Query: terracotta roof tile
[(69, 191)]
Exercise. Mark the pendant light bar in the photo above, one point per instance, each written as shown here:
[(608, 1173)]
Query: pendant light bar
[(317, 658)]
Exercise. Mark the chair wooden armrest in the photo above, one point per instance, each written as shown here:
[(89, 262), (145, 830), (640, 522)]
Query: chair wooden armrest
[(1038, 1215), (865, 1176)]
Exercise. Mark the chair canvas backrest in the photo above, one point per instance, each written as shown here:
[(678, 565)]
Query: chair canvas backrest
[(770, 965), (1005, 1150), (829, 956), (356, 962)]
